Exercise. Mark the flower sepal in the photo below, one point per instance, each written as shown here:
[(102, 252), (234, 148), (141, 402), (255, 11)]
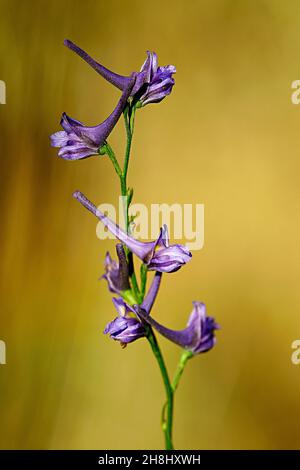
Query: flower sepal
[(103, 150)]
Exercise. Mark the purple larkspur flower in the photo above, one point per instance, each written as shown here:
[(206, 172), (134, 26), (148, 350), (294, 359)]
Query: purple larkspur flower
[(157, 255), (77, 141), (116, 272), (125, 328), (197, 337), (152, 84), (159, 81)]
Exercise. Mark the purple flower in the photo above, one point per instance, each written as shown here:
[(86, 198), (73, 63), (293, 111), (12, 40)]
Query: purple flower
[(165, 257), (197, 337), (77, 141), (116, 273), (159, 82), (125, 328), (157, 255), (152, 84)]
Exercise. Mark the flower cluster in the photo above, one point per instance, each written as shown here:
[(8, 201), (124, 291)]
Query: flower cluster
[(150, 85), (133, 305)]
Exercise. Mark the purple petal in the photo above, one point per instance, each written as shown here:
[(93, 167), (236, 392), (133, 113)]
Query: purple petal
[(69, 124), (150, 66), (76, 153), (59, 139)]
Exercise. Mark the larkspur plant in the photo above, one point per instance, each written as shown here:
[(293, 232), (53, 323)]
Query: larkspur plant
[(133, 305)]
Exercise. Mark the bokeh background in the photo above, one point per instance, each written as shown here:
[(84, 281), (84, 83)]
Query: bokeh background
[(228, 137)]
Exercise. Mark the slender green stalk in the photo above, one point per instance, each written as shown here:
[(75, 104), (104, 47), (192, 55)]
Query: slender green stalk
[(168, 422), (134, 282), (143, 273), (124, 191), (129, 114), (185, 356), (109, 151)]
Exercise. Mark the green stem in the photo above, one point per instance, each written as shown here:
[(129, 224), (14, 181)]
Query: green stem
[(109, 151), (185, 356), (129, 114), (166, 424), (133, 277), (143, 274), (123, 176)]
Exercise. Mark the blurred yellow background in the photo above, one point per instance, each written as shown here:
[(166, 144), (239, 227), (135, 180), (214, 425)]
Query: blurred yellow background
[(228, 137)]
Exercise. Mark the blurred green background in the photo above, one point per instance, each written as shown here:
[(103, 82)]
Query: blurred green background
[(228, 137)]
